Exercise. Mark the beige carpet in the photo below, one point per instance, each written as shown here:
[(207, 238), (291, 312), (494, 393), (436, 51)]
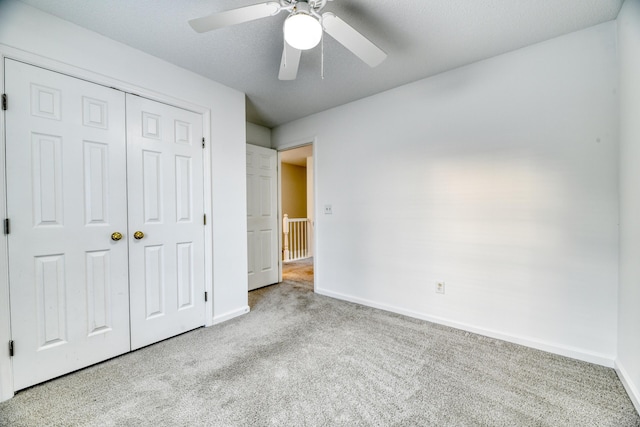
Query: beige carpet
[(299, 271), (300, 359)]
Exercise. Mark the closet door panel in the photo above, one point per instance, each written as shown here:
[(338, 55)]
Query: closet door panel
[(66, 195), (166, 229)]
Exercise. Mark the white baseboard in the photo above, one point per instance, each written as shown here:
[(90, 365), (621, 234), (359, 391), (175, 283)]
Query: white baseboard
[(632, 390), (572, 352), (230, 315)]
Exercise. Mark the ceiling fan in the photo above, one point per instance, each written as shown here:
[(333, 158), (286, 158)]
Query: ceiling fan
[(303, 30)]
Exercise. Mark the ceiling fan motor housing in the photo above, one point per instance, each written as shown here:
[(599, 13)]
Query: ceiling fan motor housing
[(302, 6)]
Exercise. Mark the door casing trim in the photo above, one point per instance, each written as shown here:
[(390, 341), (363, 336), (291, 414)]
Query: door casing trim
[(312, 140)]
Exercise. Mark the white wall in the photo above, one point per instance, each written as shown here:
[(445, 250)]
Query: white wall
[(26, 31), (628, 362), (499, 178), (258, 135)]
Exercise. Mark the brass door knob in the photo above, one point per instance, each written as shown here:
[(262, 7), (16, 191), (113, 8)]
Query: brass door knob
[(138, 235), (116, 236)]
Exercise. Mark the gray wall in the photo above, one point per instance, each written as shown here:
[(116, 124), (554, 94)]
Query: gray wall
[(499, 178), (629, 316), (258, 135)]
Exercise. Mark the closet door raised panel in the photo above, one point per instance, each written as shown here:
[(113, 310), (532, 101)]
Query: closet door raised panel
[(66, 195), (166, 209)]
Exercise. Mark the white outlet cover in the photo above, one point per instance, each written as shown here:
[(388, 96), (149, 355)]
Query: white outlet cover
[(328, 210), (440, 287)]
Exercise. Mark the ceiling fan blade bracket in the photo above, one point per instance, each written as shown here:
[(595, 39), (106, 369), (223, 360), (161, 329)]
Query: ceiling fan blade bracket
[(317, 5), (287, 5), (315, 13)]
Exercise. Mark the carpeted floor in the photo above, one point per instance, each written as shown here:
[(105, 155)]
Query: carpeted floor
[(301, 359)]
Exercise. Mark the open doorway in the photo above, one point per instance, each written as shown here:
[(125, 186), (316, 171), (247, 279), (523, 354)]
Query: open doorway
[(297, 214)]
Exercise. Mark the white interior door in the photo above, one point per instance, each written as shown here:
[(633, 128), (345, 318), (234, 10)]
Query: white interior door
[(66, 195), (166, 206), (262, 216)]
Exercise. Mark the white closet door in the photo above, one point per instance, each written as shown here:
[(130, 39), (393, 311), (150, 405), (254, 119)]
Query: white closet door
[(166, 209), (66, 195), (262, 216)]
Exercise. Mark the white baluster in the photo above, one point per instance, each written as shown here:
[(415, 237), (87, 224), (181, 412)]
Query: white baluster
[(303, 225), (285, 230), (299, 242), (297, 238), (294, 240)]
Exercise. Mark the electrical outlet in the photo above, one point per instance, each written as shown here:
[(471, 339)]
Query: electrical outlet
[(440, 287), (328, 210)]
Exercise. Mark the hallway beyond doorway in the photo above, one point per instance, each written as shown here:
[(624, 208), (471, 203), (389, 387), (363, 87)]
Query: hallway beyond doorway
[(297, 273), (300, 272)]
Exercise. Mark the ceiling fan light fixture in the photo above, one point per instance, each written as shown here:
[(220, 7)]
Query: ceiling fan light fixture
[(302, 31)]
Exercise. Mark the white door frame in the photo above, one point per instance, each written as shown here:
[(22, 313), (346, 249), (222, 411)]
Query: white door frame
[(6, 372), (286, 147)]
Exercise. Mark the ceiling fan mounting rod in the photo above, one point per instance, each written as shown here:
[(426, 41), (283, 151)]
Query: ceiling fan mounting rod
[(314, 6)]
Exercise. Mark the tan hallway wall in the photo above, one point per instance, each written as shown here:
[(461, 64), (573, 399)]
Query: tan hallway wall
[(294, 190)]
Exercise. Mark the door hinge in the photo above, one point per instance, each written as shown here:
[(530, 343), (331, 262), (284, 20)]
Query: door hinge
[(11, 348), (4, 101), (204, 219), (202, 142), (7, 228), (206, 296)]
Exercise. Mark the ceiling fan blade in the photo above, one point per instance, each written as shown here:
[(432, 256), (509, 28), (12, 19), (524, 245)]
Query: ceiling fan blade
[(290, 62), (234, 16), (347, 36)]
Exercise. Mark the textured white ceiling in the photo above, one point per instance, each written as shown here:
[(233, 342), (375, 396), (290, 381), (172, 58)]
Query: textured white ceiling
[(422, 38)]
